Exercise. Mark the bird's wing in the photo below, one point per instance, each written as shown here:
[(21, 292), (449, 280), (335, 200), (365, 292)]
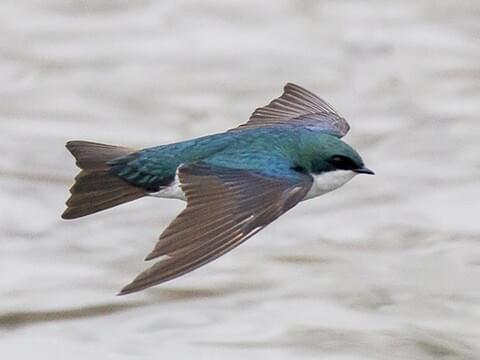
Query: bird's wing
[(298, 106), (224, 208)]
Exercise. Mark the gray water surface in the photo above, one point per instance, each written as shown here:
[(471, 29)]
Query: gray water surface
[(387, 267)]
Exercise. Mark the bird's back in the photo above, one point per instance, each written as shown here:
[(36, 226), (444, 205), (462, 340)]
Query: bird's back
[(154, 168)]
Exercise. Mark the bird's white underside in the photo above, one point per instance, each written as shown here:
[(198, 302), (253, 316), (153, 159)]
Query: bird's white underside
[(322, 183), (328, 181), (174, 191)]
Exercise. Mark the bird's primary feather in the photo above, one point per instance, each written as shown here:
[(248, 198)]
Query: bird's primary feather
[(224, 208), (298, 106)]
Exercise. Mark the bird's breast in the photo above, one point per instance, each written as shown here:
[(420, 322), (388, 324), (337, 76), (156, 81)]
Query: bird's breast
[(328, 181)]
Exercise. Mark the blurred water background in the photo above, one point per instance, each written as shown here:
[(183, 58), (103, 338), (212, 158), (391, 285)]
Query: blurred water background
[(388, 267)]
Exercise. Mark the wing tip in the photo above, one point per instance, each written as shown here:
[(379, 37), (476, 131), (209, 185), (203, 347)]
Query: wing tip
[(124, 291), (289, 85), (150, 256), (68, 214), (130, 288)]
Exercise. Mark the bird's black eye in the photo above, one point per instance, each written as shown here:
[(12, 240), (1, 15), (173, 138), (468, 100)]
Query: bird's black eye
[(342, 162)]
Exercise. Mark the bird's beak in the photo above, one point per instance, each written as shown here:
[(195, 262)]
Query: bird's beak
[(364, 170)]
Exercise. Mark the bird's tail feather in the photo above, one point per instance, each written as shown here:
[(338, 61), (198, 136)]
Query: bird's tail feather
[(95, 188)]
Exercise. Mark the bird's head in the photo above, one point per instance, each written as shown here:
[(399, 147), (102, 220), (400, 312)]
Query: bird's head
[(332, 154)]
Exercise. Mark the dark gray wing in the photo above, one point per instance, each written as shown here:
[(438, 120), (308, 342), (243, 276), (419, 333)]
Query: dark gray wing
[(299, 106), (224, 208)]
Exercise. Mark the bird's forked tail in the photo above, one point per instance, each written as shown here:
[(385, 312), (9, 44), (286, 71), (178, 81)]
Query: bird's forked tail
[(95, 188)]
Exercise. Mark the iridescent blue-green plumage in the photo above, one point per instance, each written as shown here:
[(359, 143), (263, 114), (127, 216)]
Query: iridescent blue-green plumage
[(276, 151), (235, 183)]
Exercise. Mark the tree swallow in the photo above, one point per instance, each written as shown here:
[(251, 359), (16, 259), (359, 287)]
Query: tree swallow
[(235, 183)]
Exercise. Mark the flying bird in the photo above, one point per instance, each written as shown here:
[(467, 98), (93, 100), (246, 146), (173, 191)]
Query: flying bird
[(235, 183)]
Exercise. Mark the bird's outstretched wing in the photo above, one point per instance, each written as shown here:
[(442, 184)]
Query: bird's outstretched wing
[(224, 208), (298, 106)]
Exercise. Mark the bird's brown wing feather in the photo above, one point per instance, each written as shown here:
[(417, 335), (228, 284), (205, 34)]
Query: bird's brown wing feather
[(298, 106), (224, 208)]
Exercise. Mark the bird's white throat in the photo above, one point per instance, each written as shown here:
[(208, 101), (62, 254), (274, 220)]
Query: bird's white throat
[(328, 181)]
